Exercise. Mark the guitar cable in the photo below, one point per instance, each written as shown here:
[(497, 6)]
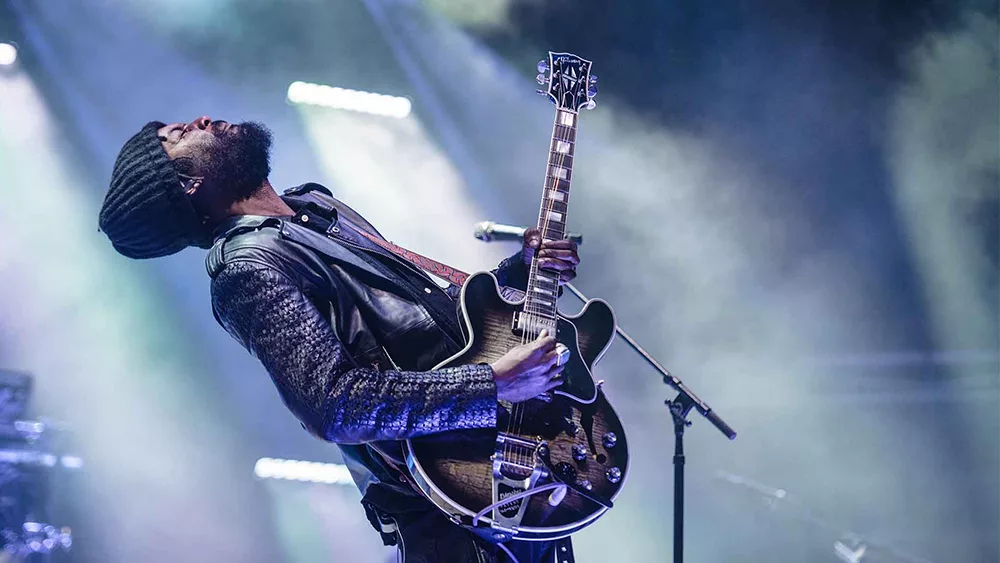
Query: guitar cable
[(512, 498), (508, 552)]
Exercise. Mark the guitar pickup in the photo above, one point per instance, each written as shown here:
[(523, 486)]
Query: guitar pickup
[(532, 324)]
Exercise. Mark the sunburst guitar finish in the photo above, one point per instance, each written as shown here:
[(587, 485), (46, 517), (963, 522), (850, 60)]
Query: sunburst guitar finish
[(585, 443)]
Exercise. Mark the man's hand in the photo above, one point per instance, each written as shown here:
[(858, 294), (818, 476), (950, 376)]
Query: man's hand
[(558, 255), (531, 369)]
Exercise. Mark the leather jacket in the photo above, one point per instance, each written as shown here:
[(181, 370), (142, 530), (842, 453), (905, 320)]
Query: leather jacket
[(349, 344)]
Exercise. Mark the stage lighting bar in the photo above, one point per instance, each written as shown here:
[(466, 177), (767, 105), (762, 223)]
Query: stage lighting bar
[(306, 93), (8, 54), (305, 471)]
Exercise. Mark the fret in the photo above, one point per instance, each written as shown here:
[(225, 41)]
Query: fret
[(555, 196), (557, 184), (543, 284), (561, 129), (559, 172), (549, 288), (545, 279), (554, 217), (558, 206)]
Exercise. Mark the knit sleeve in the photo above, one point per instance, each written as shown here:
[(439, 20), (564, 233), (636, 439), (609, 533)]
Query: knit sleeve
[(319, 382)]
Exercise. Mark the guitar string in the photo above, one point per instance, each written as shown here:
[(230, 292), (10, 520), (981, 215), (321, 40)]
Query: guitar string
[(546, 212), (528, 333)]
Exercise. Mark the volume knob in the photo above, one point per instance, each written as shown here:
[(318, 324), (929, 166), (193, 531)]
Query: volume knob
[(579, 452), (614, 475), (609, 440)]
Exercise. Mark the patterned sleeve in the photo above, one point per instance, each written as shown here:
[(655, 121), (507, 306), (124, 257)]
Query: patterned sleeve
[(271, 316), (512, 272)]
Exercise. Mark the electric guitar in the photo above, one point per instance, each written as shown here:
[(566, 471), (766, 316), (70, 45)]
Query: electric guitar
[(553, 465)]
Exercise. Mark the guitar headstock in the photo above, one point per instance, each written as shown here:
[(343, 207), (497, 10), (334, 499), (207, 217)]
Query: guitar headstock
[(569, 83)]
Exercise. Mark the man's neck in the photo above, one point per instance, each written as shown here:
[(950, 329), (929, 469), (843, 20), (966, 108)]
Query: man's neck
[(264, 201)]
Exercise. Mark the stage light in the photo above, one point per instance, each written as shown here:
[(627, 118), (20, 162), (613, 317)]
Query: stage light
[(306, 93), (8, 54), (306, 471)]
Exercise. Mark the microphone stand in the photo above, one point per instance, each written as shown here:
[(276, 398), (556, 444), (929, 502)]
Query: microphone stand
[(680, 406)]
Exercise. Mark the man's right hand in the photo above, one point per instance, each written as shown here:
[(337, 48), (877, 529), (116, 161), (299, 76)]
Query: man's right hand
[(530, 369)]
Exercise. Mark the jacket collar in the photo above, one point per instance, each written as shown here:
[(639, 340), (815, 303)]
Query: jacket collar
[(329, 245), (241, 222)]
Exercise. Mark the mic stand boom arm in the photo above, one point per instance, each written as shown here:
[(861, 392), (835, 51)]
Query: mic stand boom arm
[(685, 394), (679, 406)]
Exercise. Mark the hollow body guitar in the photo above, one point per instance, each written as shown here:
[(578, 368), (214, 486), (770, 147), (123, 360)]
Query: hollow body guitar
[(551, 467)]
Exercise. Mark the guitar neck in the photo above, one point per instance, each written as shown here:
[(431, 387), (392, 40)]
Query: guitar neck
[(543, 284)]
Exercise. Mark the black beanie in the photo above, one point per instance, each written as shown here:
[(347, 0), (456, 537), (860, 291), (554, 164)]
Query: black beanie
[(146, 213)]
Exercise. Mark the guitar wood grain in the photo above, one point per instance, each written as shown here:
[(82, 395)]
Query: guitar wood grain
[(460, 464)]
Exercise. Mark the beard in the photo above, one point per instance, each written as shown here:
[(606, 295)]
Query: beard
[(240, 161)]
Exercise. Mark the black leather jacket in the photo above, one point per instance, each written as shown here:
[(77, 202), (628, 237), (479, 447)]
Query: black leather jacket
[(349, 344)]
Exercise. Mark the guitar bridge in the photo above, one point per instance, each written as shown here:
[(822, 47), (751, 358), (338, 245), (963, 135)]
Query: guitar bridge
[(517, 467)]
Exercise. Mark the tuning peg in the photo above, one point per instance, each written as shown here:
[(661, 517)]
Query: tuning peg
[(590, 105), (592, 91), (543, 65), (541, 92), (593, 79), (541, 79)]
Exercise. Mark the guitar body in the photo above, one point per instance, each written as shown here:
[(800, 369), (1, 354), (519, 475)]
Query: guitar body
[(460, 472)]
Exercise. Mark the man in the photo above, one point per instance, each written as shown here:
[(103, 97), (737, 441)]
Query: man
[(349, 332)]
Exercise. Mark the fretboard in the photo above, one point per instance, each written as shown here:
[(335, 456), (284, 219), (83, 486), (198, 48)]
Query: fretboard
[(543, 284)]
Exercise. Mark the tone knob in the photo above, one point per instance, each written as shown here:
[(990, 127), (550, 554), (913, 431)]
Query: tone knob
[(579, 452), (609, 440), (614, 475), (585, 484)]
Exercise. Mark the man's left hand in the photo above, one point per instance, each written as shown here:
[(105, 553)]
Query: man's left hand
[(558, 255)]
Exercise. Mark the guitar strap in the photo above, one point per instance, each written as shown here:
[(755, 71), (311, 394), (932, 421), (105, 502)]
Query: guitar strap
[(426, 264)]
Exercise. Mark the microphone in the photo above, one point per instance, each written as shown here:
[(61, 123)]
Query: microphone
[(488, 231)]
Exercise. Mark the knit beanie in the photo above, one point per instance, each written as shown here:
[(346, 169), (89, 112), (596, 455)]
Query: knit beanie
[(146, 213)]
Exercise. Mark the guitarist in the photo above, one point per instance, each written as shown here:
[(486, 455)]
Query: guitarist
[(348, 331)]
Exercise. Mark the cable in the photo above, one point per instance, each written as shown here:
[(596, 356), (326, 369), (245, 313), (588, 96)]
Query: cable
[(520, 495), (508, 552)]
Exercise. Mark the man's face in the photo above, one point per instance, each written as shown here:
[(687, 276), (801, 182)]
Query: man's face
[(229, 161)]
